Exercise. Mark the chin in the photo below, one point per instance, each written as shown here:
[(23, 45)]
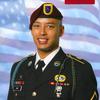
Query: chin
[(45, 49)]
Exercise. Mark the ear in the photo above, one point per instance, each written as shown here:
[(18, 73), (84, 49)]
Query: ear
[(61, 30)]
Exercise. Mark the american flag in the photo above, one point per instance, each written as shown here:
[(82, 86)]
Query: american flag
[(81, 38)]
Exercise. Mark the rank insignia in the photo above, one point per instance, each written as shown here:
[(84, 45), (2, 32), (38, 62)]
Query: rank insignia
[(60, 78), (47, 9)]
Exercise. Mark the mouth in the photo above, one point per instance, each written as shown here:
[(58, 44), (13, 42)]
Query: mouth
[(42, 40)]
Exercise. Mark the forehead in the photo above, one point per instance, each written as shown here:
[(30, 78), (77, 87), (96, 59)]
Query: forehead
[(47, 20)]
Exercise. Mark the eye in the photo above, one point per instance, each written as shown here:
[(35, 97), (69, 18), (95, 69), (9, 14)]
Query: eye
[(51, 26)]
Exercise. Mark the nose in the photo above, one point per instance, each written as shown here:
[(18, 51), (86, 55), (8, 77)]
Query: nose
[(43, 30), (43, 33)]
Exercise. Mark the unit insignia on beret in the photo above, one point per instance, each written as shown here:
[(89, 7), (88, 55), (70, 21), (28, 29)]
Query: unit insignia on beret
[(47, 8)]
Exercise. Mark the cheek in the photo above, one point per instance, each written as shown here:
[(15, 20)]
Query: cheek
[(53, 33), (54, 37), (34, 34), (34, 37)]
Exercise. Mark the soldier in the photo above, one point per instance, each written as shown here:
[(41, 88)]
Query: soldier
[(51, 74)]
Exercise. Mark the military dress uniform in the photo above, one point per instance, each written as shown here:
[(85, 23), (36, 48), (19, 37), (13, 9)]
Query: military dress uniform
[(65, 78)]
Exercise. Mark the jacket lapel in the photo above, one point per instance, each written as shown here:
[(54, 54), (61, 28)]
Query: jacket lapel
[(30, 75)]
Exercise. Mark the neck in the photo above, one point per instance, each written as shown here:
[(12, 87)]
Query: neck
[(44, 54)]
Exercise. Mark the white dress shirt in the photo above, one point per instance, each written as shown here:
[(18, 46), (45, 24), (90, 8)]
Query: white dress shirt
[(47, 59)]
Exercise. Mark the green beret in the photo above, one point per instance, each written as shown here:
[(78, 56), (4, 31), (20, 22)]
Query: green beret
[(46, 10)]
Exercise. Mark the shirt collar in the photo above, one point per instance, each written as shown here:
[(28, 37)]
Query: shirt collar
[(48, 58)]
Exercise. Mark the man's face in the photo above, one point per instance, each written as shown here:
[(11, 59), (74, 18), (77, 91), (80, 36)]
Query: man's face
[(46, 33)]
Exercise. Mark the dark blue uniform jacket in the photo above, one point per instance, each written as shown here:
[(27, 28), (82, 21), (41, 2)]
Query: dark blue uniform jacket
[(65, 78)]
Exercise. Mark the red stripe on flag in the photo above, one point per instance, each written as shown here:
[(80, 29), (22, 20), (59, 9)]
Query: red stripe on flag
[(79, 1)]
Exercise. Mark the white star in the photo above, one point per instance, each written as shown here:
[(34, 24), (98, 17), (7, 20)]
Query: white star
[(16, 6), (18, 18), (14, 24), (6, 4), (22, 13), (24, 26), (20, 1), (12, 10), (3, 21), (1, 8)]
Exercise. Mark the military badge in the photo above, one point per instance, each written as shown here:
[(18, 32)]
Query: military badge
[(17, 88), (60, 78), (47, 9), (57, 63), (30, 63), (58, 91), (60, 84)]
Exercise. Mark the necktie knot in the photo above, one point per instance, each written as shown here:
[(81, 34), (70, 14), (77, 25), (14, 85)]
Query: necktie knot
[(41, 64)]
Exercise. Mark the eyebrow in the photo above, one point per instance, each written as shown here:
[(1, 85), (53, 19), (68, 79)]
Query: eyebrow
[(36, 22), (51, 23)]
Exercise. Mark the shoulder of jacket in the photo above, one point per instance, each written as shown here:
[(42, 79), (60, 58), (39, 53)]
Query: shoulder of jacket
[(18, 63), (24, 59), (75, 58)]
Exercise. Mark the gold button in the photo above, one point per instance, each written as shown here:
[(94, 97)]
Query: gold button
[(34, 93)]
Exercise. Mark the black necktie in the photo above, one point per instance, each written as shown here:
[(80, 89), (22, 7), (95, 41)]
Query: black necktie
[(40, 64)]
